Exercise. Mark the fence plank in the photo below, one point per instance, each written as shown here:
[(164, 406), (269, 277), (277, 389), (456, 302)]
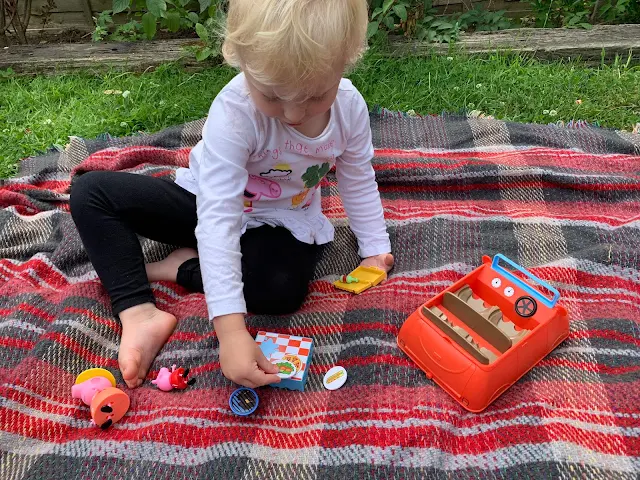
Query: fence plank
[(132, 56), (550, 43), (615, 40)]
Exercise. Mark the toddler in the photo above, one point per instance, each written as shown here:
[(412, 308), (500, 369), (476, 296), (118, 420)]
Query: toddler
[(247, 212)]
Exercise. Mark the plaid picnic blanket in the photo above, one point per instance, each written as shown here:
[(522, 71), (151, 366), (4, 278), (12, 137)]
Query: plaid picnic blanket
[(564, 202)]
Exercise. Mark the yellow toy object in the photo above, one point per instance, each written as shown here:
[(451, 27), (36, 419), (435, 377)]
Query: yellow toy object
[(96, 372), (365, 277)]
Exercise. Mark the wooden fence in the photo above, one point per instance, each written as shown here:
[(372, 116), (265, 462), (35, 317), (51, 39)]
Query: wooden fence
[(77, 14)]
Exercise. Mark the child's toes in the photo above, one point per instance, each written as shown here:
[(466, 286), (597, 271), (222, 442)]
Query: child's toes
[(130, 366), (142, 375)]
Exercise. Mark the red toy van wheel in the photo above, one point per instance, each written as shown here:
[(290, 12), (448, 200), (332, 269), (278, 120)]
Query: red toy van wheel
[(526, 307)]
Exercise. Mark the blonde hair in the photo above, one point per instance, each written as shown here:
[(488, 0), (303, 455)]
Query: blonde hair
[(294, 43)]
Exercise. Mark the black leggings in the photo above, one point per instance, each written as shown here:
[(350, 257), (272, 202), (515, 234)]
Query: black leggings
[(110, 210)]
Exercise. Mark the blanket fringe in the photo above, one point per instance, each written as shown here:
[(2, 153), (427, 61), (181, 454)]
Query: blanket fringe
[(466, 113), (384, 112)]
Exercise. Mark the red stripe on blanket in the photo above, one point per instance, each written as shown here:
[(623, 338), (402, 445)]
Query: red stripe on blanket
[(128, 158), (425, 436), (529, 157)]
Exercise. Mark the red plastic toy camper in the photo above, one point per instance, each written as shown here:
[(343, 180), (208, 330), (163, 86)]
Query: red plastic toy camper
[(479, 336)]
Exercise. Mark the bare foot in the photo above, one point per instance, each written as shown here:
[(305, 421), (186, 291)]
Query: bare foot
[(167, 270), (145, 329)]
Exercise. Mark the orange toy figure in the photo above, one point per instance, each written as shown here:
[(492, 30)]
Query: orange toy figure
[(479, 336), (96, 388)]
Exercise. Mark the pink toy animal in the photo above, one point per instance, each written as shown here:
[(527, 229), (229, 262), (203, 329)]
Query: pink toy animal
[(176, 378), (89, 388), (96, 388)]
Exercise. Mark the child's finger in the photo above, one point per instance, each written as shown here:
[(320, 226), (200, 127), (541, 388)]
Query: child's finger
[(265, 364), (385, 262), (248, 383), (260, 378), (389, 260)]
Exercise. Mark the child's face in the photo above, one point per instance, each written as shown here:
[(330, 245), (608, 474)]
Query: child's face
[(301, 110)]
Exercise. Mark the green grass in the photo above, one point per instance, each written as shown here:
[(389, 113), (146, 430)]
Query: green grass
[(37, 112)]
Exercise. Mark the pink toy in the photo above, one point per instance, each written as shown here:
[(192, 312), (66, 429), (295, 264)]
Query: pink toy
[(88, 389), (176, 378), (96, 388)]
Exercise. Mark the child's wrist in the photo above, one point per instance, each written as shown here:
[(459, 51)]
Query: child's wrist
[(228, 324)]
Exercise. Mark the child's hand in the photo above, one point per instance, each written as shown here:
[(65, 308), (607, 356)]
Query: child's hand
[(383, 262), (241, 359)]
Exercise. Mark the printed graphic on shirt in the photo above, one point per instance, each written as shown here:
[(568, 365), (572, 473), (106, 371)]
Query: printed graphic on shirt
[(298, 198), (308, 204), (311, 178), (314, 174), (281, 171), (256, 188)]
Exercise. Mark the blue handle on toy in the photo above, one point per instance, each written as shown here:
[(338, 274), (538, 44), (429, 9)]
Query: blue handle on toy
[(535, 293)]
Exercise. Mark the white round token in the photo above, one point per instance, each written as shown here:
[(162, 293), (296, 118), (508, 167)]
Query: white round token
[(335, 378), (286, 369)]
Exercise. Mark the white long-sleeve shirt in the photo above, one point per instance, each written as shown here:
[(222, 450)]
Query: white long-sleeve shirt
[(251, 170)]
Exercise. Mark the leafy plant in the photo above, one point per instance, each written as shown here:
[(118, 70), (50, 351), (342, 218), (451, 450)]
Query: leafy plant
[(203, 16), (419, 19), (439, 30), (410, 18), (210, 38), (170, 15), (579, 19), (612, 11), (386, 16), (105, 27), (583, 13), (552, 13), (632, 15), (483, 20), (103, 23), (130, 31)]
